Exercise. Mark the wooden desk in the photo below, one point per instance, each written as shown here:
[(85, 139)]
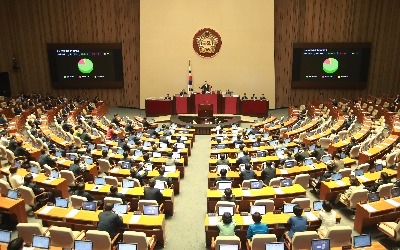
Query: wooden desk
[(314, 138), (378, 151), (372, 213), (330, 189), (296, 132), (88, 219), (134, 195), (271, 219), (15, 207), (244, 197), (157, 107), (375, 245)]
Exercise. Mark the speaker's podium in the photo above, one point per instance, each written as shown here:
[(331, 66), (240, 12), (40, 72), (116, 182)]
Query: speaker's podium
[(205, 110)]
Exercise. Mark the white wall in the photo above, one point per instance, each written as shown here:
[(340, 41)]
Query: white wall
[(245, 62)]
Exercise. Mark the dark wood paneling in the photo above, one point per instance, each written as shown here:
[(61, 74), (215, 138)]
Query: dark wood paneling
[(338, 21), (28, 25)]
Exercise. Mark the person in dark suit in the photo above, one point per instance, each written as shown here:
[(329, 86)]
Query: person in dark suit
[(397, 99), (244, 97), (168, 97), (352, 143), (41, 194), (327, 174), (238, 140), (318, 152), (80, 191), (85, 137), (3, 120), (116, 120), (248, 173), (222, 176), (205, 88), (45, 158), (183, 92), (17, 110), (138, 174), (75, 168), (222, 160), (384, 179), (114, 194), (128, 127), (145, 123), (268, 173), (253, 97), (244, 159), (302, 154), (21, 152), (12, 145), (228, 195), (262, 97), (110, 222), (161, 177), (152, 193)]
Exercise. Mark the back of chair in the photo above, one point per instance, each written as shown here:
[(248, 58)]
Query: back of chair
[(246, 183), (390, 159), (302, 202), (385, 190), (61, 237), (10, 156), (136, 237), (302, 240), (77, 142), (146, 202), (3, 151), (302, 179), (364, 166), (112, 200), (339, 236), (4, 187), (68, 176), (36, 164), (27, 230), (104, 165), (275, 181), (259, 240), (346, 172), (268, 203), (101, 239), (47, 169), (226, 240), (111, 180), (324, 142), (76, 200), (358, 196), (28, 195), (354, 151)]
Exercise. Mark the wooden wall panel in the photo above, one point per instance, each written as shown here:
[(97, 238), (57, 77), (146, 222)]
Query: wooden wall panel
[(338, 21), (28, 25)]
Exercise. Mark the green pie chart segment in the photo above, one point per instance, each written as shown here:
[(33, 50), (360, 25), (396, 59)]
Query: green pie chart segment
[(330, 65), (85, 66)]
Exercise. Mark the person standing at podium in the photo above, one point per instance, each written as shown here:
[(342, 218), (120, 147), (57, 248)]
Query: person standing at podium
[(206, 88)]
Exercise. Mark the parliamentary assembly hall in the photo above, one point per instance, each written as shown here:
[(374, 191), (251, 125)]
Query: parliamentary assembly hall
[(199, 124)]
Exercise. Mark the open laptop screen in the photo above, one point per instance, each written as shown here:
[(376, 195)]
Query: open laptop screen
[(275, 246), (326, 158), (127, 246), (125, 165), (317, 205), (290, 163), (395, 192), (83, 244), (336, 176), (288, 207), (286, 182), (170, 168), (88, 160), (359, 172), (373, 197), (120, 208), (222, 210), (160, 185), (61, 202), (42, 242), (256, 184), (128, 183), (363, 240), (89, 205), (222, 185), (257, 208), (150, 210), (228, 247), (99, 181), (322, 244), (5, 236), (12, 194)]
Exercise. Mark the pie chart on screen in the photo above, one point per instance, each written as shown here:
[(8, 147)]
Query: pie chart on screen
[(85, 66), (330, 65)]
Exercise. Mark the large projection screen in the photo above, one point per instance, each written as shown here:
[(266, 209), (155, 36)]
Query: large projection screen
[(245, 63)]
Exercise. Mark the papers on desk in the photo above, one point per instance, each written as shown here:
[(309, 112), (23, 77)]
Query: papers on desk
[(369, 208), (28, 248), (283, 171), (46, 210), (393, 139), (47, 181), (61, 161), (112, 155), (311, 216), (134, 219), (5, 169), (379, 146), (393, 202), (212, 220), (363, 178), (72, 213), (114, 170), (386, 144), (124, 190), (254, 159), (340, 183), (367, 153), (278, 191), (246, 192), (247, 220), (311, 166)]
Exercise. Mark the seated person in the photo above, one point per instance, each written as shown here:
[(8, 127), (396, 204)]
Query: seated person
[(338, 162), (125, 157), (352, 143), (248, 173), (298, 223), (139, 174), (268, 173), (85, 137), (15, 179), (80, 191), (327, 174), (3, 120), (41, 193), (238, 140), (222, 176), (114, 193), (76, 168), (16, 244), (169, 161), (161, 177), (262, 97), (384, 179), (109, 221), (244, 97), (168, 97), (226, 225), (45, 158), (110, 135), (228, 195), (354, 185), (153, 193), (253, 97), (222, 160), (327, 216), (244, 159), (257, 227)]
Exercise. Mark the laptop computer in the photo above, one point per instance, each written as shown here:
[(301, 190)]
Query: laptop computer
[(58, 154), (363, 240), (89, 205), (5, 236), (310, 134), (138, 153), (378, 167), (342, 155), (275, 246), (359, 172), (288, 207), (286, 182), (326, 158), (104, 148), (256, 184), (156, 154), (317, 205), (290, 163), (261, 153), (222, 185), (336, 176), (180, 145), (176, 155), (160, 185), (91, 146), (395, 192), (311, 147), (251, 136), (34, 169), (71, 157), (128, 183), (150, 210), (280, 152), (256, 144), (54, 174), (228, 247), (12, 194), (220, 167), (170, 168), (147, 144), (309, 161), (125, 165), (287, 140), (83, 244), (120, 151), (336, 139), (223, 209), (373, 197), (68, 138), (257, 208), (184, 138), (61, 202), (295, 150), (88, 160), (100, 181), (127, 246), (273, 143), (42, 242), (162, 145), (17, 164), (220, 146), (120, 208), (321, 244)]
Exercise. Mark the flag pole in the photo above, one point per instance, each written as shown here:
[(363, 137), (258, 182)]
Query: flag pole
[(190, 83)]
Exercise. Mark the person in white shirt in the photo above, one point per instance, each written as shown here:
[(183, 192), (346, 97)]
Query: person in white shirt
[(15, 180), (328, 218)]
